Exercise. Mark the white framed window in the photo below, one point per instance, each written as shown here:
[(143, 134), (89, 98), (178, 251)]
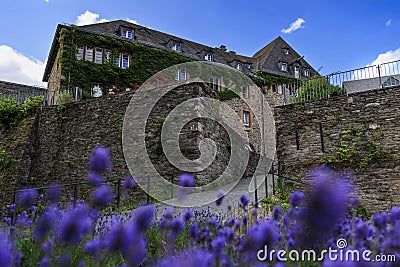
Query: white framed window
[(216, 83), (118, 60), (125, 61), (107, 56), (280, 89), (283, 66), (89, 53), (246, 117), (296, 72), (98, 56), (180, 75), (286, 51), (249, 66), (126, 33), (208, 57), (246, 91), (306, 72), (79, 52), (239, 66), (96, 91), (177, 47)]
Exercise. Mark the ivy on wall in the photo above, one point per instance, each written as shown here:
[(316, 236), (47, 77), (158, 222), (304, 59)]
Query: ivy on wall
[(145, 61), (357, 149), (268, 79)]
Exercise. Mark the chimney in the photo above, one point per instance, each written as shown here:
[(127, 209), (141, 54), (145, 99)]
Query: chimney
[(232, 52), (223, 48)]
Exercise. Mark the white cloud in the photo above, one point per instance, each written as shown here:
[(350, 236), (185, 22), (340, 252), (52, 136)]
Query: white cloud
[(15, 67), (389, 56), (88, 18), (131, 21), (46, 1), (298, 24), (388, 23)]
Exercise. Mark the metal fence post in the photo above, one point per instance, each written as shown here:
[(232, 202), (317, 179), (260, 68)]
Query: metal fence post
[(273, 179), (118, 194), (14, 212), (172, 187), (75, 193)]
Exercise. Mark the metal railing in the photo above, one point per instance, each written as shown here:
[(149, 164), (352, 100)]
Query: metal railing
[(357, 80)]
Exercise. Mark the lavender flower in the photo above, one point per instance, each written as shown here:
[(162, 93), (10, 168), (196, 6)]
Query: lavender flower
[(186, 182), (53, 192), (102, 196), (74, 226), (128, 183), (296, 197), (143, 218), (221, 195), (244, 200), (27, 197), (95, 178), (44, 224), (277, 213), (187, 215), (5, 253), (100, 159), (93, 247)]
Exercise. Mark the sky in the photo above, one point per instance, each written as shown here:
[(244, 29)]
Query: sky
[(332, 35)]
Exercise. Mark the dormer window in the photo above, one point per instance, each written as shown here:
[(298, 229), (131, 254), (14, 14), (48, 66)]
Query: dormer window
[(283, 66), (306, 72), (248, 66), (126, 33), (208, 57), (286, 51), (177, 47), (239, 66)]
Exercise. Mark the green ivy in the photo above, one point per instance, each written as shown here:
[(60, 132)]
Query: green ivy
[(145, 61), (263, 79), (226, 95), (4, 159), (11, 111), (356, 150)]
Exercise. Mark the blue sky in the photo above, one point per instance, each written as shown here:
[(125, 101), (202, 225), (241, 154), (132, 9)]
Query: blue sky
[(335, 35)]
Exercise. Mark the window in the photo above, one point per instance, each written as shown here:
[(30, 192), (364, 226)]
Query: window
[(245, 91), (208, 57), (306, 72), (177, 47), (216, 83), (246, 117), (296, 72), (125, 61), (249, 66), (118, 60), (107, 55), (98, 57), (280, 91), (89, 53), (286, 51), (96, 91), (180, 75), (126, 33), (79, 52), (283, 66), (239, 66)]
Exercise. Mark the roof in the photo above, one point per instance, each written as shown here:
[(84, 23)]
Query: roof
[(153, 38)]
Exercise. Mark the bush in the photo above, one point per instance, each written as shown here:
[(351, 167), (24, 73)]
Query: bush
[(11, 111)]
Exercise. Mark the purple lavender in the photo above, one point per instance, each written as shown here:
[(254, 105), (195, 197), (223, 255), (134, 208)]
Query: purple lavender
[(102, 196), (100, 159), (27, 197), (186, 182), (220, 195)]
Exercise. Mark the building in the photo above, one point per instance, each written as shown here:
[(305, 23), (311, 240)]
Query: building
[(117, 56), (20, 92)]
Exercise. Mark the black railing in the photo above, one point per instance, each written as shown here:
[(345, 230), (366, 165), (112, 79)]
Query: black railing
[(362, 79)]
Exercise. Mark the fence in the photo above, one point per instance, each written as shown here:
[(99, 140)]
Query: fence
[(346, 82), (21, 92)]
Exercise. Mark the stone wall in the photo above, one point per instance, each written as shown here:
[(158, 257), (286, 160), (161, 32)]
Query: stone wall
[(20, 91), (374, 115), (54, 144)]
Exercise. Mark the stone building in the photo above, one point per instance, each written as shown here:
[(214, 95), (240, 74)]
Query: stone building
[(117, 56), (20, 92)]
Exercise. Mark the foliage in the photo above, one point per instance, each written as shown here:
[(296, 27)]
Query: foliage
[(266, 79), (226, 95), (145, 61), (356, 150), (4, 159), (81, 236), (65, 98), (316, 88), (11, 111)]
